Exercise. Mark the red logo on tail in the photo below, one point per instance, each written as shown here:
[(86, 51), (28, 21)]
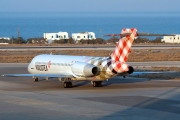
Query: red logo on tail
[(49, 64)]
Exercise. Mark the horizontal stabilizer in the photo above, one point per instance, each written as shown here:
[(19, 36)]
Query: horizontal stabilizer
[(152, 34), (122, 35), (139, 34)]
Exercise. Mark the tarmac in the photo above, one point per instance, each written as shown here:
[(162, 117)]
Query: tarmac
[(119, 98)]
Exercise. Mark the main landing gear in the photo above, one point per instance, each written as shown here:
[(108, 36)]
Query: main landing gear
[(97, 83), (35, 79), (67, 84)]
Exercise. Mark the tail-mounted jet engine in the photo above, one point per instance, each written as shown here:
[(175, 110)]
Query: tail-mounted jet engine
[(131, 70), (85, 69)]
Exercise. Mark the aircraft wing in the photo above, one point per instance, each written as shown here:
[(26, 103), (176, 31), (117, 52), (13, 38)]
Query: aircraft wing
[(138, 73), (39, 75), (141, 73)]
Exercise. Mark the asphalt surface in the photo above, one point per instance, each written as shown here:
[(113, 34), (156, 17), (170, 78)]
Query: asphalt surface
[(87, 47), (119, 98)]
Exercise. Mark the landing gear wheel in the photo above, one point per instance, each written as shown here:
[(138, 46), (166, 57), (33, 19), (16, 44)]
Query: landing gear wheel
[(100, 84), (94, 84), (70, 84), (67, 84), (97, 83), (36, 79)]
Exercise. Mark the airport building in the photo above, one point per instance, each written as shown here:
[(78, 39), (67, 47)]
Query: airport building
[(83, 36), (4, 38), (171, 39), (56, 36)]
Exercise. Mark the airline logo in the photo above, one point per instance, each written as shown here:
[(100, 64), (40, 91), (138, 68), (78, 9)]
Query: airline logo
[(123, 47), (49, 64)]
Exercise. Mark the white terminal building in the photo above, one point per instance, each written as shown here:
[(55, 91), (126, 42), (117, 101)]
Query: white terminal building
[(56, 36), (4, 38), (171, 39), (83, 36)]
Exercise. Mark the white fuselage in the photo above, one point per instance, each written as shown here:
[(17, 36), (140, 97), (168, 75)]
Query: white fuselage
[(64, 64)]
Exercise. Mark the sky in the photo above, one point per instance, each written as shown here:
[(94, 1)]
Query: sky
[(43, 6)]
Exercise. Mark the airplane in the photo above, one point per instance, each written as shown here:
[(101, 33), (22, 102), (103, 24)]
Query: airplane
[(86, 68)]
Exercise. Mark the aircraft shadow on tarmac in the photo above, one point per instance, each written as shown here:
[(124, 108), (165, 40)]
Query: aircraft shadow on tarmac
[(121, 80), (112, 81), (27, 84)]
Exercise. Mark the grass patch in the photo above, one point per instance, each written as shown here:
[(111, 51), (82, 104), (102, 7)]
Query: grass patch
[(135, 55)]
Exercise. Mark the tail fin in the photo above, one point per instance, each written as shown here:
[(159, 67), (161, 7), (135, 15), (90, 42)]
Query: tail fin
[(122, 49)]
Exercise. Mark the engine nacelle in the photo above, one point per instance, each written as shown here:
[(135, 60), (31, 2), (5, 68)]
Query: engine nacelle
[(85, 69), (131, 70)]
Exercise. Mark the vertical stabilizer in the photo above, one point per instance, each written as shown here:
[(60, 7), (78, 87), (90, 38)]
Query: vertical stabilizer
[(124, 45)]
